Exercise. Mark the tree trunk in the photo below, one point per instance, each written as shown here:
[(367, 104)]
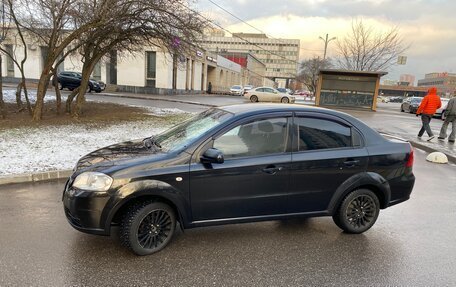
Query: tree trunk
[(27, 100), (77, 111), (2, 103), (58, 95), (41, 93), (19, 105), (70, 100)]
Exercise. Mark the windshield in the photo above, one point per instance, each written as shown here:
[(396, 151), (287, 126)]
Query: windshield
[(236, 87), (184, 134), (416, 100)]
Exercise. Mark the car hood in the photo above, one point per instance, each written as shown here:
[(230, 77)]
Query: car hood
[(117, 154)]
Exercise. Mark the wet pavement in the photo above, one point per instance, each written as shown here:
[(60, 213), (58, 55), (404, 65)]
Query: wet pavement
[(412, 244)]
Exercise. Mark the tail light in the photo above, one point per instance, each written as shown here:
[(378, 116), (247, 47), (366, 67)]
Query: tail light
[(410, 159)]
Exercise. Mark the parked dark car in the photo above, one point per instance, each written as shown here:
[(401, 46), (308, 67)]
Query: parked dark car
[(72, 80), (411, 104), (235, 164)]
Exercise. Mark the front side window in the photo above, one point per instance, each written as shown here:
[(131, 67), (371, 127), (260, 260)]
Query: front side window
[(261, 137), (315, 134)]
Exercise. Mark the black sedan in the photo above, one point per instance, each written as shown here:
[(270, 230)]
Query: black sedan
[(235, 164), (411, 104), (72, 80)]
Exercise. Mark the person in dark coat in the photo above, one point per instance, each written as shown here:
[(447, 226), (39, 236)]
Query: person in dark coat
[(209, 88), (450, 117)]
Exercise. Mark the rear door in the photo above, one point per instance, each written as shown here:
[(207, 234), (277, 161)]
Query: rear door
[(326, 152)]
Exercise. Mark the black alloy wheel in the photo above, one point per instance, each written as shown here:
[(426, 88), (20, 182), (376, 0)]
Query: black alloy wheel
[(358, 211), (147, 227), (254, 99), (285, 100)]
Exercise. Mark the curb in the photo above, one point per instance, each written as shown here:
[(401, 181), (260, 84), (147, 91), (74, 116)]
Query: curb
[(421, 146), (157, 99), (35, 177)]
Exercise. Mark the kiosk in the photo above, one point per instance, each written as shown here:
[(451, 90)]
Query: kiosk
[(349, 89)]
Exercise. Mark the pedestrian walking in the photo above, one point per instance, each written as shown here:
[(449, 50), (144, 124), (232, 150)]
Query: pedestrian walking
[(450, 117), (429, 105)]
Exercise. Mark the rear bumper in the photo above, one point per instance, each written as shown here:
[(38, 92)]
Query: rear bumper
[(401, 188)]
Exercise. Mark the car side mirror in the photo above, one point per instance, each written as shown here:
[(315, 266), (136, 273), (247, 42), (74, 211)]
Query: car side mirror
[(212, 155)]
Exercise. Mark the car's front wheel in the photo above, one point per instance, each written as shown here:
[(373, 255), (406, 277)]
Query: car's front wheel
[(358, 211), (285, 100), (254, 99), (147, 227)]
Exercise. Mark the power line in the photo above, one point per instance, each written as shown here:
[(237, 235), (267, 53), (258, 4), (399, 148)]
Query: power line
[(237, 36), (250, 25)]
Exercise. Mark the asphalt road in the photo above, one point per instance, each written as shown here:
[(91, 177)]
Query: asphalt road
[(412, 244)]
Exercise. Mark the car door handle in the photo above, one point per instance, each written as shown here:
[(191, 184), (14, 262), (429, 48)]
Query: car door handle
[(350, 163), (272, 169)]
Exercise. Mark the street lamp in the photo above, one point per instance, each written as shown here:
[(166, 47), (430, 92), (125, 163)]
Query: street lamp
[(326, 40)]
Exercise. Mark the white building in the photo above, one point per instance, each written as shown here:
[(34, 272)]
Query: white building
[(151, 70)]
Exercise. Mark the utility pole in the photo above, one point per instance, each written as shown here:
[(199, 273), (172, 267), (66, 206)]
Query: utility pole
[(326, 40)]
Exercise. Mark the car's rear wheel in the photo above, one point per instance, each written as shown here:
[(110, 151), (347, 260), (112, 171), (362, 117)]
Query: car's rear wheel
[(147, 227), (402, 109), (358, 211), (254, 99), (285, 100)]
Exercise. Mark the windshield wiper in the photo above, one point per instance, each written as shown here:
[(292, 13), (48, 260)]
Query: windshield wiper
[(151, 142)]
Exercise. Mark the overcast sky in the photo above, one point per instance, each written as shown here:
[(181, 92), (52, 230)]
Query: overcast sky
[(429, 26)]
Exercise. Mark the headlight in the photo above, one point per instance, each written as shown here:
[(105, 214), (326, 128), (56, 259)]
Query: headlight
[(93, 181)]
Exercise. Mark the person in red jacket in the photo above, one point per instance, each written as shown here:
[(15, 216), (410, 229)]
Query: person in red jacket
[(430, 103)]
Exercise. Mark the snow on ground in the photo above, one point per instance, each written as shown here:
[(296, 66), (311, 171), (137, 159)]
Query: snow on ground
[(29, 150)]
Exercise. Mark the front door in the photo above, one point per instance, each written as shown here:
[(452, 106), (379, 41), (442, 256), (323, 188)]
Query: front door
[(253, 180)]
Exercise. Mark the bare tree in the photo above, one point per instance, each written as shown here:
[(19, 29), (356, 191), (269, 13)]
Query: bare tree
[(4, 27), (132, 25), (309, 70), (16, 35), (56, 24), (365, 49)]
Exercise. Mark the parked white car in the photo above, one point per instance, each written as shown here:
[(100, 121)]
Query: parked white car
[(267, 94), (439, 112), (236, 90)]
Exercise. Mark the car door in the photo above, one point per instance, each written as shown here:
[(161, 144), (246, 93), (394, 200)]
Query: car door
[(254, 178), (259, 92), (326, 152), (270, 95)]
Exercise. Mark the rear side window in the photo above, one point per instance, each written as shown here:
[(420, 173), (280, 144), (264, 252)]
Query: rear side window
[(316, 134)]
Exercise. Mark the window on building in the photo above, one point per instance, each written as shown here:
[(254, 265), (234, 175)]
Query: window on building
[(9, 61), (151, 68)]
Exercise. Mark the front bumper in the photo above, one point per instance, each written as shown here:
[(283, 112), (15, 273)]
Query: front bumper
[(84, 210)]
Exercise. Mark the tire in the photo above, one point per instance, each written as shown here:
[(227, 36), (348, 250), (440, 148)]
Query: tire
[(59, 86), (147, 227), (285, 100), (254, 99), (402, 109), (88, 89), (357, 212)]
